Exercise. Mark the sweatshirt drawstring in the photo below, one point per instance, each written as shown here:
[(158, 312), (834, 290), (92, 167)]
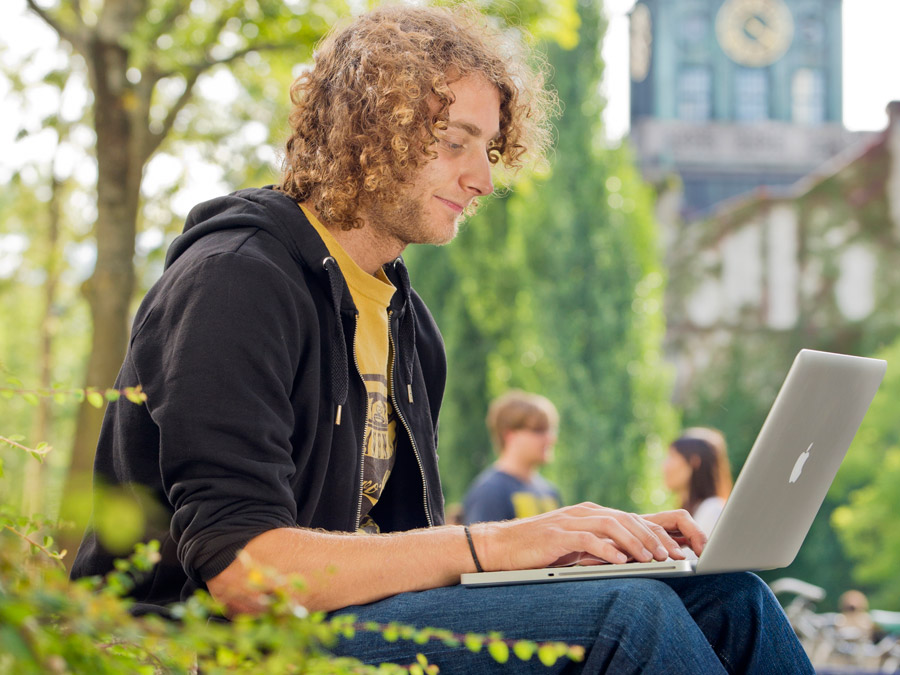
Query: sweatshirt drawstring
[(407, 326), (339, 377)]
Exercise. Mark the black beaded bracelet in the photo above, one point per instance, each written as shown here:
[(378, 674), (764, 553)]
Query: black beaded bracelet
[(472, 548)]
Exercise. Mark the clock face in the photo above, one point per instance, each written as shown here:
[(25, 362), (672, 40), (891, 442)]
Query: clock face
[(754, 33)]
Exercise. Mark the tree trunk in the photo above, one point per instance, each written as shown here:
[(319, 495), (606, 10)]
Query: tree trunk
[(33, 487), (110, 288)]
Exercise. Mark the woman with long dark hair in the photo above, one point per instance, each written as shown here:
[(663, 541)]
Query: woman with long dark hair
[(696, 469)]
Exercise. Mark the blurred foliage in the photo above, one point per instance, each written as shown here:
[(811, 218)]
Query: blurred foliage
[(869, 477), (49, 624), (557, 288)]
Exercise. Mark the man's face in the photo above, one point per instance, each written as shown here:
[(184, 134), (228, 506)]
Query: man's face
[(532, 447), (428, 210)]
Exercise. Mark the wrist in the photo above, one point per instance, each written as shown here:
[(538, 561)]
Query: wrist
[(472, 550), (484, 542)]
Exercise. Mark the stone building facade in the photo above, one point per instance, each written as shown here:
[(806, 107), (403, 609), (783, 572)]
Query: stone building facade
[(814, 264)]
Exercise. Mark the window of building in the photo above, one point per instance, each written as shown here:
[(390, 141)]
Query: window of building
[(694, 94), (810, 28), (751, 95), (808, 96)]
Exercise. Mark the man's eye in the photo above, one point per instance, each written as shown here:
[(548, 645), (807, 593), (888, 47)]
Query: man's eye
[(453, 146)]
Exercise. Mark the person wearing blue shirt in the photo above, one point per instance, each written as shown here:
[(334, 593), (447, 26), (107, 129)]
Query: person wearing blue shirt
[(523, 428)]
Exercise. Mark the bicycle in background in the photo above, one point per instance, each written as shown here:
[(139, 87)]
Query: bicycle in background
[(856, 639)]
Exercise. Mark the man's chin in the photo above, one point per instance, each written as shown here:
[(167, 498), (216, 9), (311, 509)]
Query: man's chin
[(441, 238)]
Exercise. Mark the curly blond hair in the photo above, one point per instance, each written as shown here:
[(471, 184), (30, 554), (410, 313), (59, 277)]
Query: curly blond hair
[(363, 117)]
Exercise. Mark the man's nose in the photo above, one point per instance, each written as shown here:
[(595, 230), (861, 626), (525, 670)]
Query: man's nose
[(478, 175)]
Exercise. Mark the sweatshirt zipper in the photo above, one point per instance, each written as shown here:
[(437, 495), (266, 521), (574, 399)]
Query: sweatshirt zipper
[(400, 416), (362, 454)]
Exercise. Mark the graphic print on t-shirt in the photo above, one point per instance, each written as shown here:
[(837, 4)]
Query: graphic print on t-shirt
[(381, 438), (382, 421)]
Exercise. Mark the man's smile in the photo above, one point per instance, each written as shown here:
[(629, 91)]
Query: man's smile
[(451, 204)]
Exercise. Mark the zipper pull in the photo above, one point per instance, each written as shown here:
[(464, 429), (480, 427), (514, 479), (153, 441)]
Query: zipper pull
[(337, 419), (409, 392)]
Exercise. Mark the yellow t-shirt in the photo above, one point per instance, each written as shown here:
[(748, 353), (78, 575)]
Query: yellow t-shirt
[(372, 352)]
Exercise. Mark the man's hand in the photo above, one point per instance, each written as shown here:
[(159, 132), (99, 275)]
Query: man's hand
[(603, 533)]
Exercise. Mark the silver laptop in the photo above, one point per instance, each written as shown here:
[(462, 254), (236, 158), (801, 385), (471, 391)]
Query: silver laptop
[(780, 488)]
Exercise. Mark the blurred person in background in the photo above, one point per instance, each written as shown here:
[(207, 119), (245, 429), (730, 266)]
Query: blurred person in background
[(523, 428), (697, 470), (854, 622)]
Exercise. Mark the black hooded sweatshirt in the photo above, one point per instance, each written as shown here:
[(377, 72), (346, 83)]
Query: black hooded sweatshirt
[(242, 349)]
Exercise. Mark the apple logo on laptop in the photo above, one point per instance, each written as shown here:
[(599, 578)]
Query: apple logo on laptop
[(798, 465)]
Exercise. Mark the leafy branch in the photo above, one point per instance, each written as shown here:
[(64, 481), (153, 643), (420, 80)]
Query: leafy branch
[(94, 396), (37, 451), (498, 647), (44, 548)]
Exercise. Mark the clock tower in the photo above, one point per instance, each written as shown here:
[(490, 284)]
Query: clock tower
[(731, 95)]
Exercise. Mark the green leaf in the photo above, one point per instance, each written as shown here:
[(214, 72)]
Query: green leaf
[(576, 652), (499, 650), (11, 643), (135, 395), (95, 398), (31, 398), (524, 649), (112, 395), (548, 654), (474, 642)]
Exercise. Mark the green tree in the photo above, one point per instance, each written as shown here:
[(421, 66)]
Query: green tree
[(602, 295), (869, 478), (38, 281), (557, 288)]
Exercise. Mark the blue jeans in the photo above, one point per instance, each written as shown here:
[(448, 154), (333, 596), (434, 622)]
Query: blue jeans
[(729, 623)]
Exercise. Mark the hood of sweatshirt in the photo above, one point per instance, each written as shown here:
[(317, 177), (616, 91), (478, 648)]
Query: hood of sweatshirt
[(262, 208), (280, 216)]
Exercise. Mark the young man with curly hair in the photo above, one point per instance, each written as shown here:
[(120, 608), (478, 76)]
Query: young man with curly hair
[(294, 380)]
